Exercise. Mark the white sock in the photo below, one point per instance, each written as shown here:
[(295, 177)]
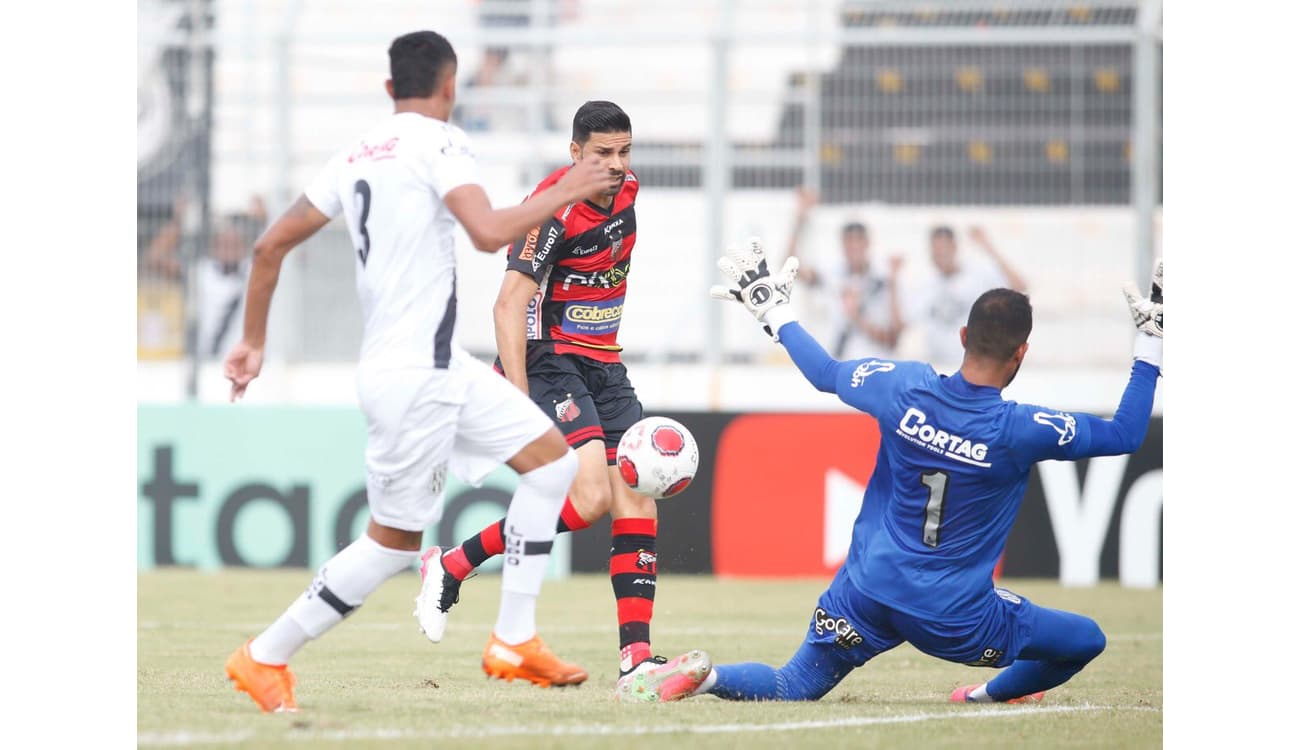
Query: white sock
[(517, 618), (708, 683), (277, 643), (529, 533), (342, 584), (980, 695)]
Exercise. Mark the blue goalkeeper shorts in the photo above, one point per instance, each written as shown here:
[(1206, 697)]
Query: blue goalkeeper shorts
[(849, 627)]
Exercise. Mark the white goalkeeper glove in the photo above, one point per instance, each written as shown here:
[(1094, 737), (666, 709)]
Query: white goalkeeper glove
[(1149, 317), (765, 296)]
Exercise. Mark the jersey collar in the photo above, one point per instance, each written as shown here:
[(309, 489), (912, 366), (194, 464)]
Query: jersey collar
[(958, 386)]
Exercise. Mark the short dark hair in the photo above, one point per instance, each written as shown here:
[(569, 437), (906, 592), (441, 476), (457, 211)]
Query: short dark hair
[(854, 227), (999, 322), (417, 63), (599, 117), (942, 230)]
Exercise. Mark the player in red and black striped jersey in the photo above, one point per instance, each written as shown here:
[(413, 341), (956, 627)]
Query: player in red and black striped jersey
[(557, 317)]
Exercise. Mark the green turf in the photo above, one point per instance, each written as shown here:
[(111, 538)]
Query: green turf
[(375, 681)]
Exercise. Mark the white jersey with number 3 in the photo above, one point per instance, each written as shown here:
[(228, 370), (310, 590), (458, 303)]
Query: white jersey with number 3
[(390, 185)]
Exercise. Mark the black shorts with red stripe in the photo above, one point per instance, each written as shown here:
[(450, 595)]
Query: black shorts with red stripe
[(588, 400)]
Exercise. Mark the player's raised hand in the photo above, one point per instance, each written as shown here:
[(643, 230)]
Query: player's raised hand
[(756, 288), (1149, 317), (588, 178), (1149, 312), (242, 365)]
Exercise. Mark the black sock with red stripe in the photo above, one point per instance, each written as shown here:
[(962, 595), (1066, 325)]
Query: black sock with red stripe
[(490, 542), (633, 570)]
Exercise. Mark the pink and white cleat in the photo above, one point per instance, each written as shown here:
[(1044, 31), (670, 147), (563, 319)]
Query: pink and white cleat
[(672, 680), (962, 695), (439, 590)]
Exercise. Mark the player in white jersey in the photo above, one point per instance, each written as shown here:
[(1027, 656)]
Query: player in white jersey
[(430, 407)]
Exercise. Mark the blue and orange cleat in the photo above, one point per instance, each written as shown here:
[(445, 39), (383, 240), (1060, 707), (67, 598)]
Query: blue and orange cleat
[(962, 695)]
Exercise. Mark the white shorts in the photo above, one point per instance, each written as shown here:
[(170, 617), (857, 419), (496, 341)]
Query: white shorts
[(416, 434)]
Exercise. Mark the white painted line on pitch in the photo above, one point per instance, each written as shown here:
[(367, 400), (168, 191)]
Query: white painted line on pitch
[(185, 738), (484, 627)]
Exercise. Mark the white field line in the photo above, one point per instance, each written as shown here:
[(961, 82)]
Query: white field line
[(484, 627), (186, 738)]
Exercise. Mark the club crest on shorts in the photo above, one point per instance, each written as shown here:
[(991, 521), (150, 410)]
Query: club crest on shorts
[(439, 479), (567, 410)]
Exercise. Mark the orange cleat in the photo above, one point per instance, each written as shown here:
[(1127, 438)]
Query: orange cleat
[(530, 660), (270, 686), (962, 695)]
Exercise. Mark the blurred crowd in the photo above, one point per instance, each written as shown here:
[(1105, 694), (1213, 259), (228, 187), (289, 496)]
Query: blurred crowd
[(218, 276), (868, 306)]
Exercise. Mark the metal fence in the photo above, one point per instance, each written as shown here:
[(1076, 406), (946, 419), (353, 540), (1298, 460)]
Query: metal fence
[(1001, 114)]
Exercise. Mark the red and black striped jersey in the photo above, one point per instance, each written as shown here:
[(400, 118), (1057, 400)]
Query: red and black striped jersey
[(580, 259)]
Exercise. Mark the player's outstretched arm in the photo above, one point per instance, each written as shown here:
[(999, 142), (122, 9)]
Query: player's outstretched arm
[(1125, 432), (767, 298), (1085, 435), (490, 228), (294, 226)]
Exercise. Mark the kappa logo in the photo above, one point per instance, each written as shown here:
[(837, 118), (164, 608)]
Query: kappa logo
[(1063, 423), (867, 369), (566, 410), (846, 636)]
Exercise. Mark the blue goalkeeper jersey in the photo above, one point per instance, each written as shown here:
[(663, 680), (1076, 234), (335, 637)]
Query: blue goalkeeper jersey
[(951, 471)]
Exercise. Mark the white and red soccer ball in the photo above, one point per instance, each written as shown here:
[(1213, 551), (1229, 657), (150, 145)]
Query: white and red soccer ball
[(658, 457)]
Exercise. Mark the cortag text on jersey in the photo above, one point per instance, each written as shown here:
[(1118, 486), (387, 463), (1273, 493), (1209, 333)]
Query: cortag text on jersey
[(915, 428)]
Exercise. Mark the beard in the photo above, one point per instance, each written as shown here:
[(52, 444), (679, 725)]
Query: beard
[(1014, 373)]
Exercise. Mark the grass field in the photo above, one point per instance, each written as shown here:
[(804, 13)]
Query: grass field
[(375, 681)]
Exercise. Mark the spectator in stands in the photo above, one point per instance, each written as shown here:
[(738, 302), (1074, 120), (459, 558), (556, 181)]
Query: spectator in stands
[(945, 297), (219, 277), (864, 298), (500, 68), (496, 70)]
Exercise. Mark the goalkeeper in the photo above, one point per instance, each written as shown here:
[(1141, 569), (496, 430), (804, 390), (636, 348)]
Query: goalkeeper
[(950, 474)]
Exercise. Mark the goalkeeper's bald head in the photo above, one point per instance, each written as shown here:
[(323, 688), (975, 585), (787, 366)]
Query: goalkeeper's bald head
[(998, 324)]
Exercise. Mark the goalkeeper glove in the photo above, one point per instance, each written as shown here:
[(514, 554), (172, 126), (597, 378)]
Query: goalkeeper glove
[(765, 296), (1149, 317)]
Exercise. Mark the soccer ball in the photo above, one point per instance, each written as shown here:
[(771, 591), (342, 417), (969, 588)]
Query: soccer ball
[(658, 457)]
